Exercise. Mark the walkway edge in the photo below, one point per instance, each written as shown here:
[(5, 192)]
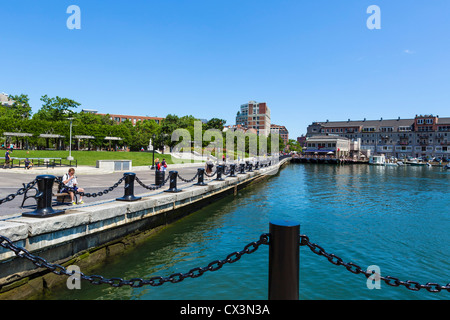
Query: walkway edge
[(61, 238)]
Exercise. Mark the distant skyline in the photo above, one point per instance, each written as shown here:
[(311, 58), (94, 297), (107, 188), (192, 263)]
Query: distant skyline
[(308, 60)]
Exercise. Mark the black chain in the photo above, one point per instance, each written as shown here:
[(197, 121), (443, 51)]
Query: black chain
[(135, 282), (152, 187), (354, 268), (19, 192), (86, 194), (211, 175), (186, 180)]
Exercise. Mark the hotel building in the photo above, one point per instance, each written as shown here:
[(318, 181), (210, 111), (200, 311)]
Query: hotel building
[(256, 116), (424, 135)]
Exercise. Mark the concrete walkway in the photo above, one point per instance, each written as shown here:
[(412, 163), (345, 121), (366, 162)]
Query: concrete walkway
[(91, 179)]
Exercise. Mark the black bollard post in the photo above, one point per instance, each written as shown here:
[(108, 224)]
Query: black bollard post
[(242, 168), (250, 166), (159, 177), (232, 170), (284, 261), (173, 182), (129, 188), (201, 176), (257, 165), (44, 198), (219, 173)]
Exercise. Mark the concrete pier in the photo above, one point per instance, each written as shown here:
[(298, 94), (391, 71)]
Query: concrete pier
[(109, 226)]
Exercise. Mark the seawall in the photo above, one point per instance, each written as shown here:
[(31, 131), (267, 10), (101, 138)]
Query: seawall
[(89, 235)]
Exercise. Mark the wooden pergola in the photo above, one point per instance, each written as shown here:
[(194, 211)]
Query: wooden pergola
[(18, 135), (83, 137), (57, 138)]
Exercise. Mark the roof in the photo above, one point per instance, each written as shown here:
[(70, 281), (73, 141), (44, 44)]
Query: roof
[(368, 123), (326, 138)]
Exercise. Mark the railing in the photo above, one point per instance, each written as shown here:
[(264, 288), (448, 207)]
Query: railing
[(43, 194), (284, 241)]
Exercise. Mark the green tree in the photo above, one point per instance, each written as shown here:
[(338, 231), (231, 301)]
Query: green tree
[(56, 108)]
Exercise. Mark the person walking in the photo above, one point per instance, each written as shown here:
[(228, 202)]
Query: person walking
[(7, 159)]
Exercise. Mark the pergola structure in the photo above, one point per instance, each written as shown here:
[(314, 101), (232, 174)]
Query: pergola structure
[(57, 138), (112, 139), (21, 138), (83, 137)]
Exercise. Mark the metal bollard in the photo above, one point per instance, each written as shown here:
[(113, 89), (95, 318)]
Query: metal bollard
[(173, 182), (201, 176), (232, 170), (159, 177), (250, 166), (219, 173), (242, 168), (129, 188), (44, 198), (284, 260), (257, 165)]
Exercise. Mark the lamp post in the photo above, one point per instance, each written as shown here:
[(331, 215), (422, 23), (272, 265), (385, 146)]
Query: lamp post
[(153, 147), (70, 139)]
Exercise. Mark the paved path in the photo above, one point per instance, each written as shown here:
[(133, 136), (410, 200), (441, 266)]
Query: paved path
[(91, 179)]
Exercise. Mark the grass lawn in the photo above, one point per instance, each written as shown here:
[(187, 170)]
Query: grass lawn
[(89, 158)]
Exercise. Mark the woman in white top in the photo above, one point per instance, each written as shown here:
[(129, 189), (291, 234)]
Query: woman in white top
[(70, 181)]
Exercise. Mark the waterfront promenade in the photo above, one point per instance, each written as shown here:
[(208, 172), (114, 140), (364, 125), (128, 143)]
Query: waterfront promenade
[(90, 178)]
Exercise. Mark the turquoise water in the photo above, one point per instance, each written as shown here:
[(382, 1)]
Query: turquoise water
[(395, 218)]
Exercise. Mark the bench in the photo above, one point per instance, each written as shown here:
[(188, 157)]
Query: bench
[(61, 196), (56, 192)]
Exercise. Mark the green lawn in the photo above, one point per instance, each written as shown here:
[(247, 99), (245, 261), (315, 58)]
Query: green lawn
[(89, 158)]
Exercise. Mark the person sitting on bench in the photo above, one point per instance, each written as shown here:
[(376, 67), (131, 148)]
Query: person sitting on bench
[(70, 180), (28, 164)]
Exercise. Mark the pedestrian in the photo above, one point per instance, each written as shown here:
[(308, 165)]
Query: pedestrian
[(28, 164), (7, 159), (157, 164), (208, 166), (164, 165), (71, 183)]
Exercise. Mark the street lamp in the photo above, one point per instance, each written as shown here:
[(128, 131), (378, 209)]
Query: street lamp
[(153, 147), (70, 143)]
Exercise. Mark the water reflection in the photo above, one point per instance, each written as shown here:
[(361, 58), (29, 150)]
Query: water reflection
[(396, 218)]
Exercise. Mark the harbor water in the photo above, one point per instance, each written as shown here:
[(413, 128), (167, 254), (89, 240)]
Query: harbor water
[(395, 218)]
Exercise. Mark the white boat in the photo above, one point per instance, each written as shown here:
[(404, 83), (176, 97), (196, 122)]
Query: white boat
[(377, 160), (415, 162)]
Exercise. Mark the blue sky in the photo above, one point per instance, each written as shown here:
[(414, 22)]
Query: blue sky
[(309, 60)]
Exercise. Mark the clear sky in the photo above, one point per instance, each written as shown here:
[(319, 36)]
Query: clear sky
[(309, 60)]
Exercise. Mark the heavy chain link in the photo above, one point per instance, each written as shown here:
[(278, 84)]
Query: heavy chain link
[(186, 180), (152, 187), (19, 192), (211, 175), (134, 282), (93, 195), (354, 268)]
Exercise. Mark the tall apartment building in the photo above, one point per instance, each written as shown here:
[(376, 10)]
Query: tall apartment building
[(424, 135), (255, 115), (282, 131)]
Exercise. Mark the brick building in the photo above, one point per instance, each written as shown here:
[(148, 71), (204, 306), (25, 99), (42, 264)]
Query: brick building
[(256, 116), (424, 135)]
